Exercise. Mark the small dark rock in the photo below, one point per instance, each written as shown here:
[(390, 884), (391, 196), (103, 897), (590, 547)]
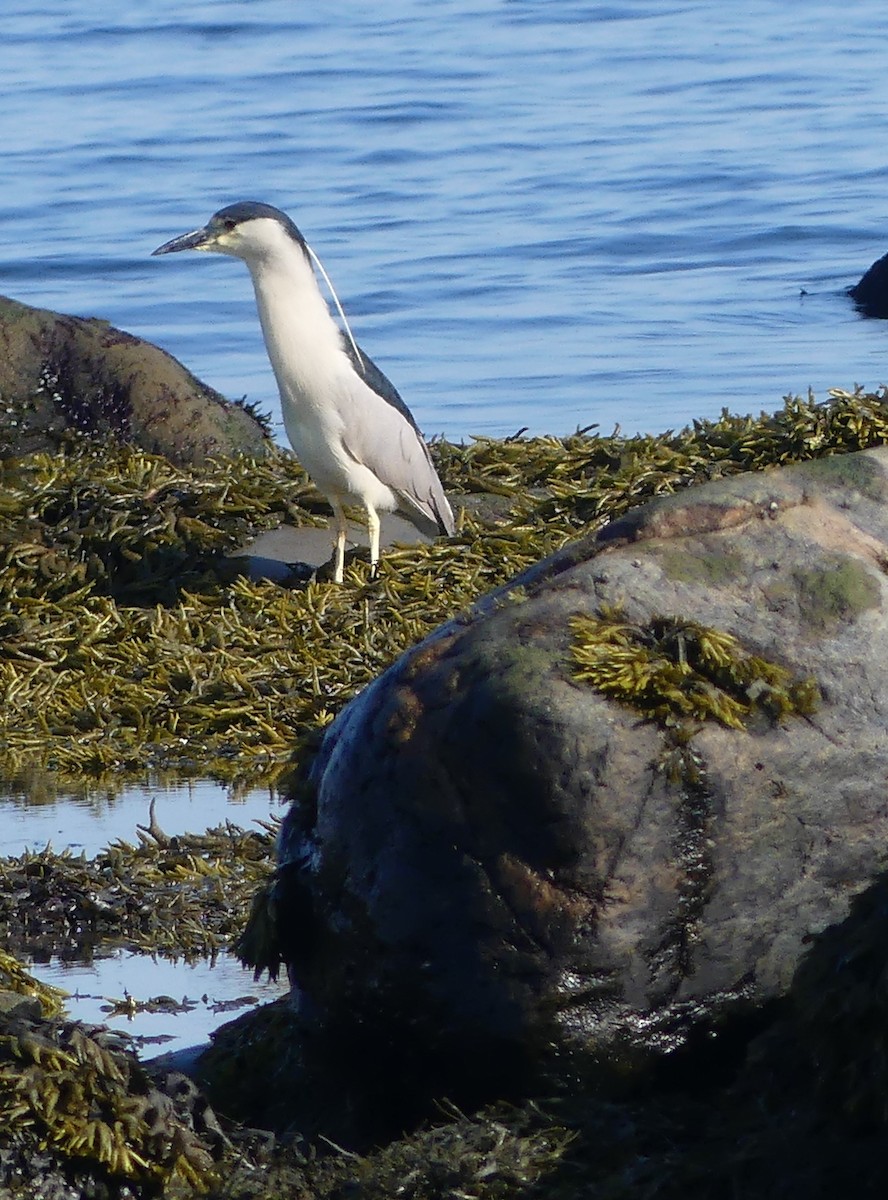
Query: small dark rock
[(870, 293)]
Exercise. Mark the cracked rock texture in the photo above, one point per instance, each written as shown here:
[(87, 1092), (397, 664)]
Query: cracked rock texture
[(492, 861), (60, 373)]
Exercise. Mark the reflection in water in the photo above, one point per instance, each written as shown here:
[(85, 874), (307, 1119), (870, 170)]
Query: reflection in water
[(87, 819), (187, 999), (163, 1005)]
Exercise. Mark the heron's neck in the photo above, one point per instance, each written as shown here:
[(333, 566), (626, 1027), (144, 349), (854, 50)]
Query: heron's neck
[(302, 339)]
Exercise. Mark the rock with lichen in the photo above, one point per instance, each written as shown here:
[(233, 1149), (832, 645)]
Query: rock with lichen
[(60, 374), (603, 812)]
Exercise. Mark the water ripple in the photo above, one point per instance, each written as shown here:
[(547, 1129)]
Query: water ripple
[(536, 214)]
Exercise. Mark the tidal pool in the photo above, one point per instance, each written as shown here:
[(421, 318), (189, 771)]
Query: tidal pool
[(89, 819), (163, 1005), (166, 1006)]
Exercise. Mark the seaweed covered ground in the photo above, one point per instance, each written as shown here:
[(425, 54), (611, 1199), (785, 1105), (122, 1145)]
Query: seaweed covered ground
[(130, 642)]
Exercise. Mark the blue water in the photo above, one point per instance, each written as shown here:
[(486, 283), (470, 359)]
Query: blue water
[(537, 214)]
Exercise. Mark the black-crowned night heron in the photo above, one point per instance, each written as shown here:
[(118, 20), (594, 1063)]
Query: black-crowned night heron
[(351, 431)]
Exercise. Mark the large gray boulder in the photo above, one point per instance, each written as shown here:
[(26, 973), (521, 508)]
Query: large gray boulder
[(61, 373), (496, 858)]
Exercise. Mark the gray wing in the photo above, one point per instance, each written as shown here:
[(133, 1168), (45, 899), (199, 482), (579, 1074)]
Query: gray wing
[(374, 378), (383, 435)]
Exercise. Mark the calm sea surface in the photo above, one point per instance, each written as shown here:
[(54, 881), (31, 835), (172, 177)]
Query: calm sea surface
[(536, 214)]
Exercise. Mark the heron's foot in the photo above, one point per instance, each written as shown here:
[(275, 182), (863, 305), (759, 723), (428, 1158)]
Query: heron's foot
[(329, 572), (332, 571)]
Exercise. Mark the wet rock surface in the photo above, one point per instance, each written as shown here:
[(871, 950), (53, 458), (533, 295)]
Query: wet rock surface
[(61, 373), (494, 858)]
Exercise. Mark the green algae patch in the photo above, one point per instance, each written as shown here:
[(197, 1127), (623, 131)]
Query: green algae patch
[(841, 472), (672, 670), (126, 643), (835, 593), (718, 568), (103, 520)]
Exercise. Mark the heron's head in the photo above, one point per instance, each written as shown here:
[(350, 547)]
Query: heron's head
[(247, 230)]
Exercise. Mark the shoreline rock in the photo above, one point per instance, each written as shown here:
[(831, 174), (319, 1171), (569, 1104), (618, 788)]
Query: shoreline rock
[(60, 373)]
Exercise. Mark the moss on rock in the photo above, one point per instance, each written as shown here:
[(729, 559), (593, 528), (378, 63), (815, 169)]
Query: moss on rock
[(835, 592), (715, 569), (850, 473)]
